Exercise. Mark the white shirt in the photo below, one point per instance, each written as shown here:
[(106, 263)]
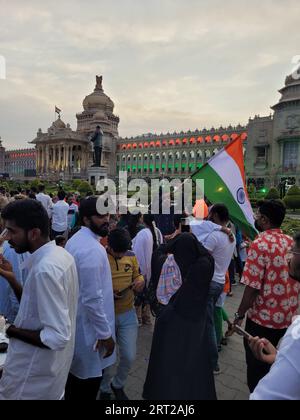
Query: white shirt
[(46, 202), (220, 247), (60, 216), (283, 380), (96, 314), (48, 304), (203, 228), (142, 246)]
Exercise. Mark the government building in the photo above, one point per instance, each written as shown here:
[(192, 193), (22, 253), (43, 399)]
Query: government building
[(271, 145)]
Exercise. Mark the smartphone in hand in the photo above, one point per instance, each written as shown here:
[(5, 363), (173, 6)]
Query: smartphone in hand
[(242, 332)]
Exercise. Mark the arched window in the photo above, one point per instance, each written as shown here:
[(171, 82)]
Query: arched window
[(158, 156), (171, 156), (128, 158), (199, 154), (177, 155), (145, 157), (192, 154), (208, 154)]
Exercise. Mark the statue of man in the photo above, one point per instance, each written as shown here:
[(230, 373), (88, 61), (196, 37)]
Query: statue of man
[(97, 142)]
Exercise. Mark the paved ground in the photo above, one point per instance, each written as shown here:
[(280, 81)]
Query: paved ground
[(231, 384)]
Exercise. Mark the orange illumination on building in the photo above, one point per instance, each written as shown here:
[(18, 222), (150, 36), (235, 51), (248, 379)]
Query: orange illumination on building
[(184, 141), (165, 143), (217, 139), (200, 140), (234, 136), (208, 139), (244, 136), (171, 142), (152, 144), (225, 137), (192, 140), (140, 145), (178, 141), (146, 145), (158, 144)]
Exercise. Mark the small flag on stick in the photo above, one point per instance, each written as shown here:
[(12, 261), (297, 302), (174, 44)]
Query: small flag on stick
[(57, 111)]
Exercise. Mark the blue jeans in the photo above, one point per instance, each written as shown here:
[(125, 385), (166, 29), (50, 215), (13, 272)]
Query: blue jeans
[(215, 292), (126, 337)]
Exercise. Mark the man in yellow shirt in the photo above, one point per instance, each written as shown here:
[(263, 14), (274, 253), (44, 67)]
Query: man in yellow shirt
[(126, 281)]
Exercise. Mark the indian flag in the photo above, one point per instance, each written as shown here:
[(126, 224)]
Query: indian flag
[(224, 182)]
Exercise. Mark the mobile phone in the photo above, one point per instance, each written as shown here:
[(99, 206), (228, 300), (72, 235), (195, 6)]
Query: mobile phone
[(242, 332)]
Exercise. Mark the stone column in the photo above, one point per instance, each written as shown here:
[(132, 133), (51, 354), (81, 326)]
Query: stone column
[(59, 159), (70, 158), (37, 163), (47, 159)]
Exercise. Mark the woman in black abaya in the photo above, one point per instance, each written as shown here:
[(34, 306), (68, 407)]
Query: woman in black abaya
[(179, 367)]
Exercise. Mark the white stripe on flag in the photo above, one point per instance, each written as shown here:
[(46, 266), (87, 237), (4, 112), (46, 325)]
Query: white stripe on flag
[(230, 173)]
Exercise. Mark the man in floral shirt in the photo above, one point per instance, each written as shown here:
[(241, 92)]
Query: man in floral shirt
[(271, 296)]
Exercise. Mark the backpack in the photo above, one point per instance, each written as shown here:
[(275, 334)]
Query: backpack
[(169, 282)]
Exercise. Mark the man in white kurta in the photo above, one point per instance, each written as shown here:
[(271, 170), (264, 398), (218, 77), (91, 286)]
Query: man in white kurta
[(42, 338), (95, 318)]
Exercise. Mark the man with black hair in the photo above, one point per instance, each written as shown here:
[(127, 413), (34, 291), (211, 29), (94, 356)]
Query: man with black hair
[(45, 200), (271, 297), (43, 335), (60, 215), (127, 279), (94, 348)]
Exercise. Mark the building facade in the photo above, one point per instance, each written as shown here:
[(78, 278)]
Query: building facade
[(66, 154), (271, 146), (20, 164)]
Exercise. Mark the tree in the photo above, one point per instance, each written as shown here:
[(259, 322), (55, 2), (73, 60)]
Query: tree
[(76, 183), (292, 199), (84, 188), (273, 194)]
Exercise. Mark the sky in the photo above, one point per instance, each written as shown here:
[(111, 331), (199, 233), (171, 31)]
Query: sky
[(168, 65)]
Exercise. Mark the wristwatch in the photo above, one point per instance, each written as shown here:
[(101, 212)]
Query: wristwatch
[(238, 317)]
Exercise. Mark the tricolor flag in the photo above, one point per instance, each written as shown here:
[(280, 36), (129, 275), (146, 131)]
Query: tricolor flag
[(57, 110), (224, 182)]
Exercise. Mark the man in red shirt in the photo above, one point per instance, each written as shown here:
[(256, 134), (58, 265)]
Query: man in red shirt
[(271, 297)]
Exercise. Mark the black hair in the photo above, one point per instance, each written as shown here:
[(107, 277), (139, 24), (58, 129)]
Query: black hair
[(32, 196), (88, 208), (41, 188), (149, 222), (119, 240), (61, 195), (222, 211), (34, 189), (59, 240), (274, 210), (177, 220), (132, 227), (28, 214)]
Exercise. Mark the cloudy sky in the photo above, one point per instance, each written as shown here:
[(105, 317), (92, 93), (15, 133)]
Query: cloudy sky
[(167, 64)]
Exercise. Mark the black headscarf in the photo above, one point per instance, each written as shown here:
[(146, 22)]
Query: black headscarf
[(186, 250)]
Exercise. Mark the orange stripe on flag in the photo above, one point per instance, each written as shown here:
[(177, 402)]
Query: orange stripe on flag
[(235, 150)]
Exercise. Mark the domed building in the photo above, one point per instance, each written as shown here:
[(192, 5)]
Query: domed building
[(66, 154)]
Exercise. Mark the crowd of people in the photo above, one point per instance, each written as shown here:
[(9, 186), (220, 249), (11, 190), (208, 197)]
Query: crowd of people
[(76, 285)]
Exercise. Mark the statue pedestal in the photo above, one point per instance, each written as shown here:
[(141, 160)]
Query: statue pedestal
[(96, 174)]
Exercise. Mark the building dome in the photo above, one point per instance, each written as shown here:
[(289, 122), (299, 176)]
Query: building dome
[(58, 124), (100, 116), (98, 100)]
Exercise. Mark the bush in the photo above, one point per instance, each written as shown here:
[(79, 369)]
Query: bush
[(273, 194), (291, 226), (85, 188), (292, 199)]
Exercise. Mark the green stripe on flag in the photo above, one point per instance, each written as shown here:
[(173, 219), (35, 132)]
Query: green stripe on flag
[(217, 192)]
